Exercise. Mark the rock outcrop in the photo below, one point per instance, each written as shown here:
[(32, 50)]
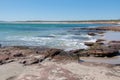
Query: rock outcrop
[(114, 45), (89, 43), (91, 33), (107, 28), (3, 58), (29, 56), (100, 50)]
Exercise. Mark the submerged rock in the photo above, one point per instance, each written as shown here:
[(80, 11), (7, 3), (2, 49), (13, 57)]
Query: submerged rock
[(0, 45), (101, 32), (100, 40), (89, 43), (91, 33)]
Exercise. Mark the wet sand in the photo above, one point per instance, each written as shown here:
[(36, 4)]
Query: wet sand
[(113, 60), (110, 35)]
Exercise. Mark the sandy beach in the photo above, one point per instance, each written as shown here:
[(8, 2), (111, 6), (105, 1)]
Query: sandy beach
[(60, 71), (11, 69)]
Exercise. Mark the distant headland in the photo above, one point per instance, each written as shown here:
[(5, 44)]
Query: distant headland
[(68, 21)]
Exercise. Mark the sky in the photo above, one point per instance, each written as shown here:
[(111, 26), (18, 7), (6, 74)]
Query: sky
[(21, 10)]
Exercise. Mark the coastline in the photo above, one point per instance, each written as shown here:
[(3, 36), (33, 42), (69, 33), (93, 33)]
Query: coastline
[(39, 63), (65, 22)]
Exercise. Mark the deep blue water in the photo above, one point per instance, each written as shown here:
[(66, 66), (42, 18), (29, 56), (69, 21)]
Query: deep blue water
[(48, 35)]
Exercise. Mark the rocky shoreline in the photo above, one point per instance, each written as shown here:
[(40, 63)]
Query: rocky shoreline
[(107, 28), (59, 62), (34, 55)]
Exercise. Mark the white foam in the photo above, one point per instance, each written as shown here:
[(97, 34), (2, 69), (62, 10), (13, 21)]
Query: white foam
[(88, 36), (63, 42), (91, 40)]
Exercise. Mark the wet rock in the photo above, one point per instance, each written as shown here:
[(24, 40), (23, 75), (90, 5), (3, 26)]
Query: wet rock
[(17, 54), (51, 53), (50, 36), (66, 56), (57, 55), (114, 45), (89, 43), (20, 47), (114, 42), (110, 28), (29, 61), (11, 78), (102, 29), (76, 51), (91, 33), (98, 50), (100, 40), (100, 43), (0, 45), (102, 53), (9, 61), (3, 58), (75, 54), (84, 54), (100, 32)]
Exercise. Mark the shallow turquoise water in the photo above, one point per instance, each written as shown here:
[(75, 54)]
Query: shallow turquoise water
[(48, 35)]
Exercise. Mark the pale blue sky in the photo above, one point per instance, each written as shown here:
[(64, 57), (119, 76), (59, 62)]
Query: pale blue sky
[(11, 10)]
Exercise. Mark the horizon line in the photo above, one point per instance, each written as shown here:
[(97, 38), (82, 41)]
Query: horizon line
[(59, 20)]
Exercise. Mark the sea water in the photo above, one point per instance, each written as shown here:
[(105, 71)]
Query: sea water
[(60, 36)]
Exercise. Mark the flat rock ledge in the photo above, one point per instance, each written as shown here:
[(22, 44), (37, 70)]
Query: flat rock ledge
[(28, 56)]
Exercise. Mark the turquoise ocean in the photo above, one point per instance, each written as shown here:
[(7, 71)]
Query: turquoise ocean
[(47, 35)]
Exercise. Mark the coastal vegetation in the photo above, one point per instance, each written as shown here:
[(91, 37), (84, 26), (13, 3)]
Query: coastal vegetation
[(117, 20)]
